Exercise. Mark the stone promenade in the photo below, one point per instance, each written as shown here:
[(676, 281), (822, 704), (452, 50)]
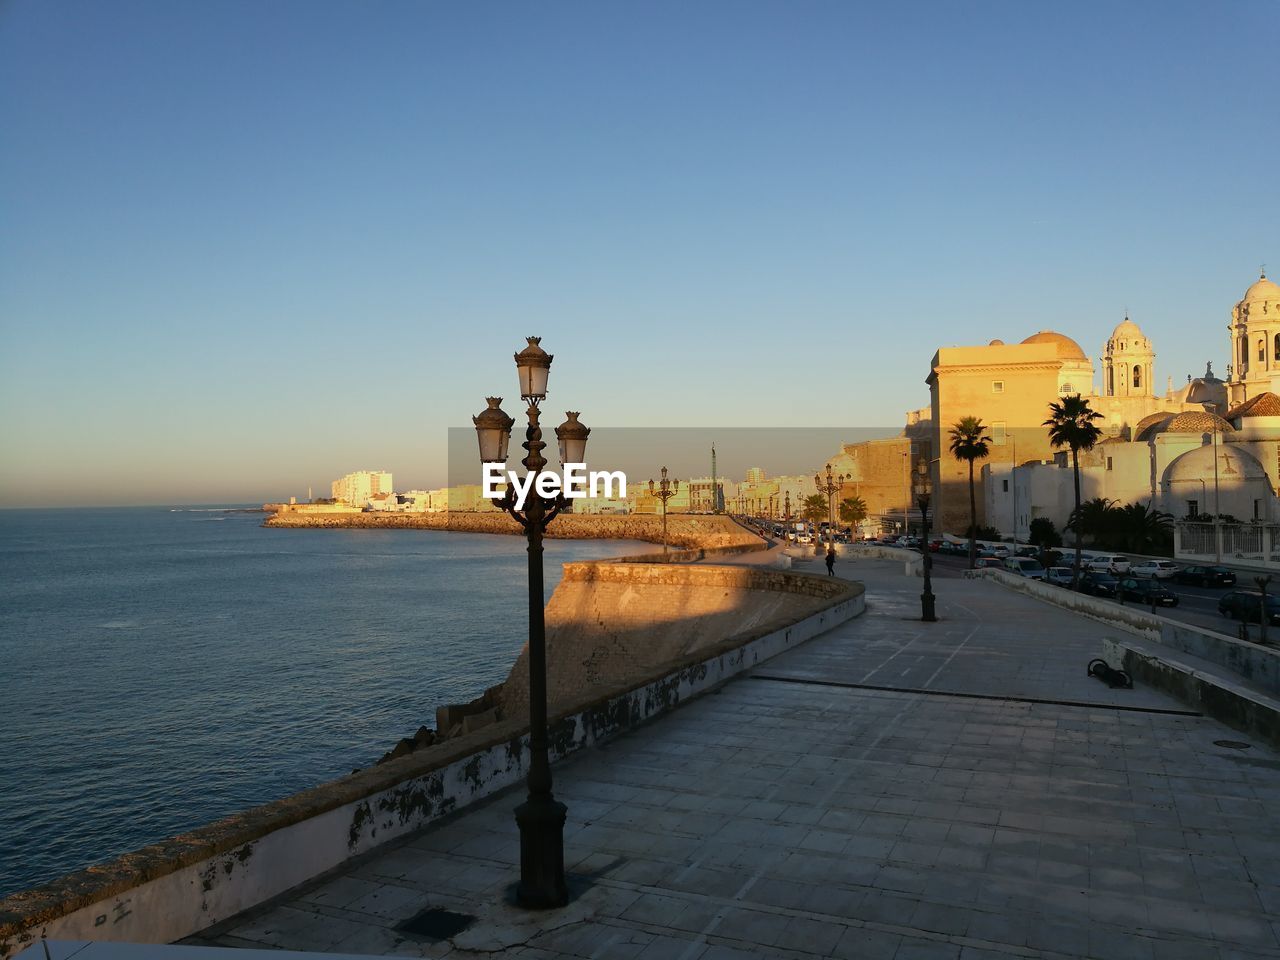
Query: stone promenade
[(892, 789)]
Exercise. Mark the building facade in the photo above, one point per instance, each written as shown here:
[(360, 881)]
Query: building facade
[(358, 488)]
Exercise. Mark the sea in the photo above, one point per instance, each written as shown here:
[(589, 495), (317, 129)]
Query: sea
[(162, 667)]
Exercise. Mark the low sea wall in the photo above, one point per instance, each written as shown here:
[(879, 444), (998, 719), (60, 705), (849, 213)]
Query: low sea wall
[(912, 560), (609, 621), (1251, 662), (180, 886), (684, 531)]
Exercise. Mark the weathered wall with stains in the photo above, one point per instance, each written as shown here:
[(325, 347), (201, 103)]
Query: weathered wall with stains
[(611, 624), (180, 886)]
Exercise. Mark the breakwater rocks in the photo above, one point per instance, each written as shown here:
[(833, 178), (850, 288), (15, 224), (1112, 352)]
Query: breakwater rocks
[(686, 531)]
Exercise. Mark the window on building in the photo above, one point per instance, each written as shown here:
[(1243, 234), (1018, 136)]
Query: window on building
[(1066, 388), (1193, 508), (1262, 350), (997, 386), (1137, 376), (1257, 509), (1110, 464), (1005, 485), (998, 433)]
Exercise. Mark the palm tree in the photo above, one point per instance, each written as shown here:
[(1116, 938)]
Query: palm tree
[(1143, 529), (1093, 518), (970, 442), (1071, 425), (853, 510)]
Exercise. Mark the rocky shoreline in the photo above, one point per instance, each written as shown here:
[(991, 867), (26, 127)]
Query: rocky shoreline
[(690, 532)]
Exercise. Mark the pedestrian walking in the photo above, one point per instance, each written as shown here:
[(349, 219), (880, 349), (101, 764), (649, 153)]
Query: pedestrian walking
[(831, 561)]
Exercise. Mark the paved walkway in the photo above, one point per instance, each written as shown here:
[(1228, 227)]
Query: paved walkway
[(889, 790)]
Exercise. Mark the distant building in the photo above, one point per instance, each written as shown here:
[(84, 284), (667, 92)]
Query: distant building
[(358, 488)]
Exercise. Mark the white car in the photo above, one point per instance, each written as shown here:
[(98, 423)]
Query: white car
[(1159, 569), (1025, 567), (1108, 563)]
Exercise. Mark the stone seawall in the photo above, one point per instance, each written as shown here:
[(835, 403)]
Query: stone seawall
[(609, 622), (684, 531)]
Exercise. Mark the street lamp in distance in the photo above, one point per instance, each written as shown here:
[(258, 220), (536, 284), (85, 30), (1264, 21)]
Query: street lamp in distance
[(923, 490), (664, 490)]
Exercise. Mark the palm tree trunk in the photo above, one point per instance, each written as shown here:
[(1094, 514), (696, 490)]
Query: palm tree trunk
[(1075, 469), (973, 521)]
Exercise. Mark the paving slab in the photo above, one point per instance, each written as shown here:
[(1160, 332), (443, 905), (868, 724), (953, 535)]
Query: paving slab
[(891, 789)]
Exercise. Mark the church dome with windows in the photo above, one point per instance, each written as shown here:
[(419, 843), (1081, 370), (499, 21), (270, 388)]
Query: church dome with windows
[(1068, 349), (1262, 289), (1126, 329)]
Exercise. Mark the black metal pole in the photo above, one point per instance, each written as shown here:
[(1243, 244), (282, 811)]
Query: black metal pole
[(541, 817), (926, 598)]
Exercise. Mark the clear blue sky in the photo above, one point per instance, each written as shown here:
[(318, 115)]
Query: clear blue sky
[(246, 247)]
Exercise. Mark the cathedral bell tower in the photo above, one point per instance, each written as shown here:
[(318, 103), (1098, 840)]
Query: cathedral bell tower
[(1255, 341), (1128, 362)]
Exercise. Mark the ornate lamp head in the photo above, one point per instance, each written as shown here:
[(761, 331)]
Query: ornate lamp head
[(533, 364), (493, 430), (572, 437)]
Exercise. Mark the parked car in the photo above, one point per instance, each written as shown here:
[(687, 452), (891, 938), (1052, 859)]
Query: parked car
[(1024, 567), (1000, 551), (1148, 591), (1246, 604), (1060, 576), (1109, 562), (1159, 569), (1206, 576), (983, 562), (1098, 584)]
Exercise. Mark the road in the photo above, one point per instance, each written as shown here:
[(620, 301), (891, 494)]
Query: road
[(1197, 606)]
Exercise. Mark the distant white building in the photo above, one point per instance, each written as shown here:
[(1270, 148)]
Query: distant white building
[(358, 488)]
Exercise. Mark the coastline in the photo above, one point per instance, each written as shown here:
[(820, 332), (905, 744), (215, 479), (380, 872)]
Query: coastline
[(684, 531)]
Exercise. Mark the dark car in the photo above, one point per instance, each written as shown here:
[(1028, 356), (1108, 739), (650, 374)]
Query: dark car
[(1149, 592), (1098, 584), (1206, 576), (1245, 604)]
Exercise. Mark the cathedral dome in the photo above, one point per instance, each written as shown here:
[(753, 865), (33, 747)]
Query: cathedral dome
[(1262, 289), (1196, 421), (1192, 421), (1262, 405), (1126, 329), (1068, 349), (1148, 425)]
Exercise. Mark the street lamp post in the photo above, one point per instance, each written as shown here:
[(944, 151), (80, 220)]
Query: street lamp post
[(664, 490), (829, 487), (923, 488), (541, 817)]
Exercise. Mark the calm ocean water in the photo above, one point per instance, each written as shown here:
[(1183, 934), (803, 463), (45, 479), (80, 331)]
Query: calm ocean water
[(161, 669)]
